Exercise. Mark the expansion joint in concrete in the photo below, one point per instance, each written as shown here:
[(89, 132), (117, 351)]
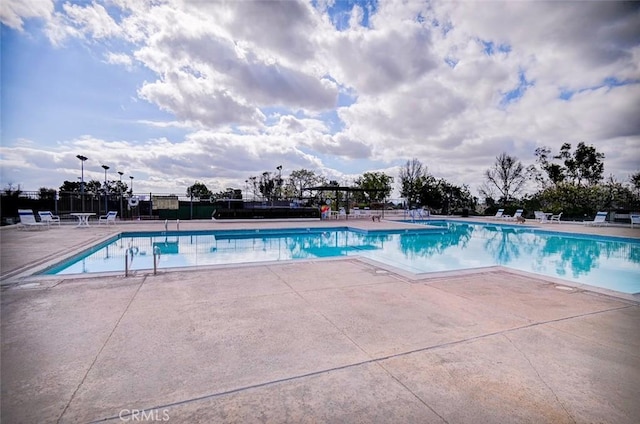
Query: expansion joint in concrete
[(95, 359)]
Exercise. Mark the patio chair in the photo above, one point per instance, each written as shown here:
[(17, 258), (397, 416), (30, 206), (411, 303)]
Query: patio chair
[(556, 218), (28, 219), (110, 217), (540, 216), (357, 213), (600, 219), (635, 219), (49, 218), (514, 217), (517, 215), (499, 213)]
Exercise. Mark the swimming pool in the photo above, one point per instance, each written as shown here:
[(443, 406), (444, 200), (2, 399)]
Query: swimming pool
[(612, 263)]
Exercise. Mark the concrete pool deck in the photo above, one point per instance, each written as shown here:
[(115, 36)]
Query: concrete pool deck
[(309, 341)]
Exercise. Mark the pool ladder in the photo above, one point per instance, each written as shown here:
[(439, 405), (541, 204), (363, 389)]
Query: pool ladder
[(156, 252), (166, 225), (156, 260)]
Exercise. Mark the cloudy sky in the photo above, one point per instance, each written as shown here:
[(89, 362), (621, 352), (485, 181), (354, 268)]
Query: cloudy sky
[(177, 91)]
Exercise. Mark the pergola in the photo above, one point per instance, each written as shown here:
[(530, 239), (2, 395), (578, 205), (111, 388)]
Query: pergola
[(347, 191)]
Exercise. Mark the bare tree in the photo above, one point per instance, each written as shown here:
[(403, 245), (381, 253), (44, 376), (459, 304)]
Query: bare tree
[(412, 178), (507, 175)]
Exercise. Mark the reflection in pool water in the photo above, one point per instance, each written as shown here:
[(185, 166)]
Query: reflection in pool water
[(598, 261)]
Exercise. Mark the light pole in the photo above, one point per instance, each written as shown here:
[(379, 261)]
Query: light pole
[(266, 193), (131, 195), (82, 159), (191, 202), (279, 168), (120, 192), (105, 167)]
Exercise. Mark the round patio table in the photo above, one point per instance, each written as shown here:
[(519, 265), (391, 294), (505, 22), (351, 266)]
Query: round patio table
[(83, 218)]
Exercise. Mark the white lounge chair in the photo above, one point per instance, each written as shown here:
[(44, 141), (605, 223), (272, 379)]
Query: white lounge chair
[(514, 217), (635, 219), (499, 213), (419, 214), (49, 218), (358, 213), (556, 218), (541, 216), (110, 217), (28, 219), (600, 219), (517, 215)]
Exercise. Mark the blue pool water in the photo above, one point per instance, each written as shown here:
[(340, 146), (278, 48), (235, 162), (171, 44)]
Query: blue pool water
[(607, 262)]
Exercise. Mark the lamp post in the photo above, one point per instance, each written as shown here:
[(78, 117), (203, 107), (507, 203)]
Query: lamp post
[(279, 168), (82, 159), (120, 192), (105, 167), (131, 195), (266, 192)]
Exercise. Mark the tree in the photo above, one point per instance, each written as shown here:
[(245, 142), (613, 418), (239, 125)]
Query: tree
[(635, 183), (555, 173), (300, 180), (507, 175), (378, 182), (229, 193), (584, 165), (70, 186), (431, 193), (618, 196), (93, 187), (45, 193), (267, 185), (254, 185), (412, 178), (446, 197), (635, 180), (117, 187), (12, 191), (199, 190), (456, 198), (572, 200), (235, 193)]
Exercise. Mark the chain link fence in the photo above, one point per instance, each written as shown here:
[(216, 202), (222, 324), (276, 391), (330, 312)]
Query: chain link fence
[(64, 204), (147, 206)]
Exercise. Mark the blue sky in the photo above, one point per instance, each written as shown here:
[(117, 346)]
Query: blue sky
[(174, 92)]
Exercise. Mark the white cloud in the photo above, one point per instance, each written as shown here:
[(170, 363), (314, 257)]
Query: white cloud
[(92, 20), (451, 83), (119, 59), (14, 12), (276, 29)]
